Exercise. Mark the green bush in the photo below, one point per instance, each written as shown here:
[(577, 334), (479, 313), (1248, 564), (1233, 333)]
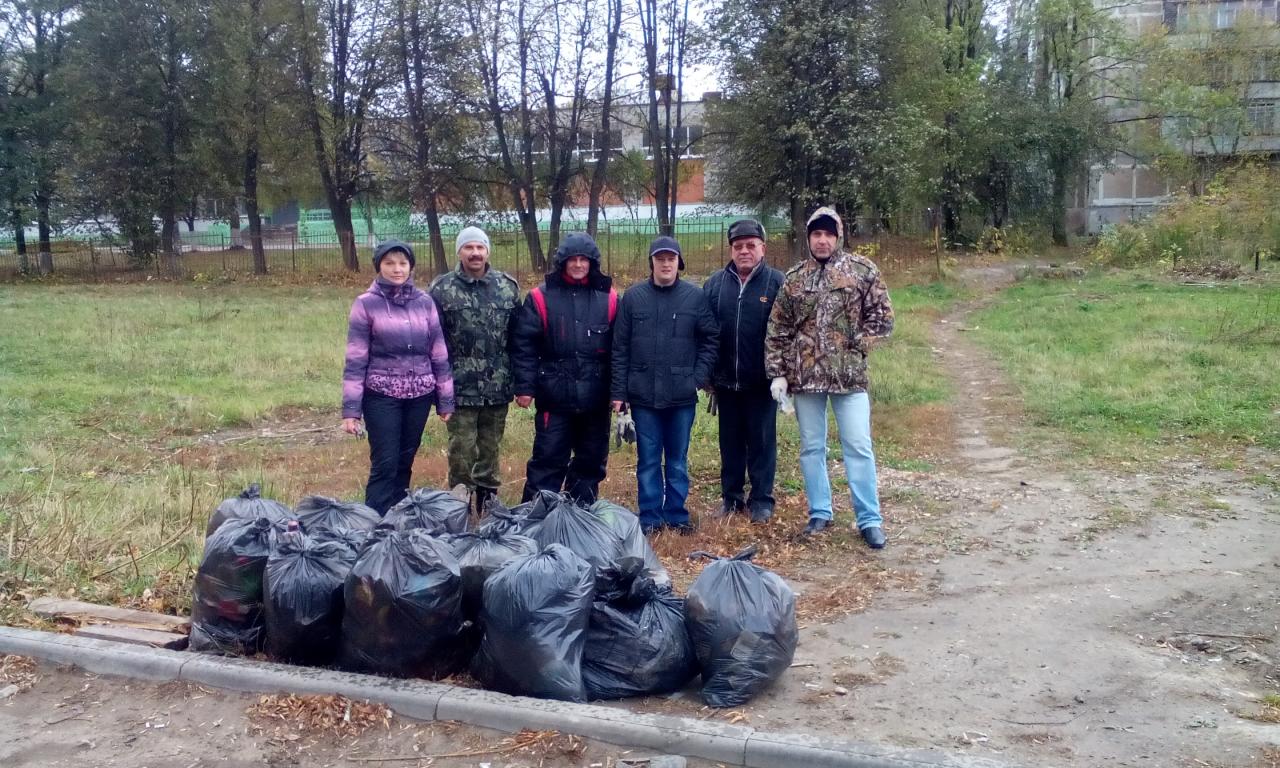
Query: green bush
[(1237, 215)]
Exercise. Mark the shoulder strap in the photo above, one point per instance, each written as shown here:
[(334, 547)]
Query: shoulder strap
[(540, 304)]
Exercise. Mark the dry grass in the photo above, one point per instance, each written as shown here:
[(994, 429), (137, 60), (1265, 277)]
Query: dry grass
[(19, 671), (291, 715)]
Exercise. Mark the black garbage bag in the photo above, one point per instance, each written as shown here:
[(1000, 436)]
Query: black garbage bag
[(499, 517), (632, 542), (742, 621), (480, 555), (436, 512), (534, 616), (303, 595), (557, 519), (247, 506), (226, 599), (402, 608), (636, 643), (323, 512)]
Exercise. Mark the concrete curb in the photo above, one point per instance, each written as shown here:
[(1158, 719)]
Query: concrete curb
[(731, 744)]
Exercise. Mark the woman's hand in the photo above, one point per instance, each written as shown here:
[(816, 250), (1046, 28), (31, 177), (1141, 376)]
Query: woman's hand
[(444, 416), (352, 427)]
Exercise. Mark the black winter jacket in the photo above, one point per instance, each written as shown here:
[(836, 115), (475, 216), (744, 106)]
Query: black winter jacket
[(664, 345), (564, 363), (743, 314)]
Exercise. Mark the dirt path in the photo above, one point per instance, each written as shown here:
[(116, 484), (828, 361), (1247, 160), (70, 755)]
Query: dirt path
[(1075, 618)]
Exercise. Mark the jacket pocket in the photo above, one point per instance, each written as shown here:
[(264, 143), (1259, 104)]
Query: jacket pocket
[(681, 385)]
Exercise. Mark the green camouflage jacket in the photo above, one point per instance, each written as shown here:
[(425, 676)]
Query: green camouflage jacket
[(820, 319), (477, 316)]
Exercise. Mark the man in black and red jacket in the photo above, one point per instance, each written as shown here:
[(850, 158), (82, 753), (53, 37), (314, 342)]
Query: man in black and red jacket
[(561, 346)]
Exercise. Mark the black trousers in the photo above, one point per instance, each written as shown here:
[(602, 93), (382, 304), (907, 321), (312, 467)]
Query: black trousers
[(748, 446), (395, 432), (570, 451)]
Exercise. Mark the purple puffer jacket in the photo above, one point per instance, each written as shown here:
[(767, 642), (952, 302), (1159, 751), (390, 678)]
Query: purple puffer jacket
[(395, 346)]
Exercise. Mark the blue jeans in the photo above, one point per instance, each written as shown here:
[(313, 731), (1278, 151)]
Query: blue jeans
[(853, 423), (662, 463)]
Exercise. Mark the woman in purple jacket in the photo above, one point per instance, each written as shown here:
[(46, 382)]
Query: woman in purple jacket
[(397, 367)]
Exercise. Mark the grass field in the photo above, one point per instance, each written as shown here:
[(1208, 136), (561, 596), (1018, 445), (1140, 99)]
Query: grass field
[(1124, 366), (126, 415)]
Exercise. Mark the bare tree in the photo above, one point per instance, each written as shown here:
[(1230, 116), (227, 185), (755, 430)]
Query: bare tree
[(340, 73), (665, 28), (599, 174)]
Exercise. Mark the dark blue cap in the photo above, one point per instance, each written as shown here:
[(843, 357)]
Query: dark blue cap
[(665, 243)]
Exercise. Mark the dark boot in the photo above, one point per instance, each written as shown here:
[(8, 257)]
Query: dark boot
[(482, 496)]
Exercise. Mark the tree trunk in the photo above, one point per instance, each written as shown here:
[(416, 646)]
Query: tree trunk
[(233, 223), (438, 255), (341, 211), (1059, 171), (20, 239), (600, 172), (251, 204)]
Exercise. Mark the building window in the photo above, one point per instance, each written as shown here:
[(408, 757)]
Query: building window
[(1226, 15), (687, 141), (1260, 118), (591, 143)]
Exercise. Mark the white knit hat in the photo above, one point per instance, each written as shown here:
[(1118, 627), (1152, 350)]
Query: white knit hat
[(471, 235)]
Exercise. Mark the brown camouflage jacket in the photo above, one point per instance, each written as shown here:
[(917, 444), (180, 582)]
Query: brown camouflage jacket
[(822, 316)]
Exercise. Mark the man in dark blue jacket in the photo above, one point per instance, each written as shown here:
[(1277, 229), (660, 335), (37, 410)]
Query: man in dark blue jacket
[(664, 347), (561, 346), (741, 297)]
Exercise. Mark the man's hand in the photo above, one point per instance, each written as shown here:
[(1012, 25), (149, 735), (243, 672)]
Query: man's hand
[(444, 416), (778, 389), (352, 427), (524, 401), (619, 406)]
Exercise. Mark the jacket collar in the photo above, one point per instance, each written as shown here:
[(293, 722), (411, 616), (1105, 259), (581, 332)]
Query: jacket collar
[(466, 277)]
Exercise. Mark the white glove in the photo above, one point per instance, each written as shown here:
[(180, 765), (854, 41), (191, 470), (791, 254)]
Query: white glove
[(778, 389)]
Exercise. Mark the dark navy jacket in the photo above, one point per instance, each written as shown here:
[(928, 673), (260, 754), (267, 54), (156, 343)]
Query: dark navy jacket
[(743, 314), (664, 345)]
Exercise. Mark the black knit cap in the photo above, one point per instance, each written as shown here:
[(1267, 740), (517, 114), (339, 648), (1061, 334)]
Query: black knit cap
[(387, 246), (824, 224)]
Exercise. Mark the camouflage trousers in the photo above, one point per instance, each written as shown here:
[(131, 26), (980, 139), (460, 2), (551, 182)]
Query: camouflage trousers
[(475, 437)]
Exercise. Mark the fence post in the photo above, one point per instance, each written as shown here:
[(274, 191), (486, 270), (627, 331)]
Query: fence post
[(608, 245), (1257, 261), (293, 249), (93, 260)]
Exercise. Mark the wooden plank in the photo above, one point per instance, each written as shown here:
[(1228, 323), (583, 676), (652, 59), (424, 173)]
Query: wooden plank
[(133, 635), (53, 607)]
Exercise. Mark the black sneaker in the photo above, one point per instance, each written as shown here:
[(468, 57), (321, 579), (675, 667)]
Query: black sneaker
[(649, 530), (874, 537), (684, 529), (816, 525), (761, 514)]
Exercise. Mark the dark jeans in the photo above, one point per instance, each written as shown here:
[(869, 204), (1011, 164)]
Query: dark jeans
[(748, 447), (570, 451), (662, 463), (395, 432)]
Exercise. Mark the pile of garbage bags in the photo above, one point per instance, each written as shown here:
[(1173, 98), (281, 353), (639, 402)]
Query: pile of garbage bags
[(549, 598)]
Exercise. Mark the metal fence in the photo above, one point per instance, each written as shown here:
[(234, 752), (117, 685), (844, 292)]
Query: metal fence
[(623, 249)]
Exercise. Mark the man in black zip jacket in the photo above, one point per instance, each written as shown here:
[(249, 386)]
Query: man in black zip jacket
[(664, 347), (561, 347), (741, 297)]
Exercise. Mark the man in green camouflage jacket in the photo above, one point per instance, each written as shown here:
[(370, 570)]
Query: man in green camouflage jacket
[(832, 308), (477, 305)]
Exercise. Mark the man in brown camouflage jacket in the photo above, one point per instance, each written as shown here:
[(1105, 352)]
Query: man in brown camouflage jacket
[(831, 309)]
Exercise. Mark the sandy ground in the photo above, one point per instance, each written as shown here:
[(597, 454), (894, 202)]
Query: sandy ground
[(1048, 617), (71, 719)]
